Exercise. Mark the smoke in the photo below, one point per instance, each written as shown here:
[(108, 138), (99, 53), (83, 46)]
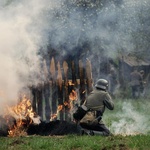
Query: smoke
[(132, 119), (114, 25), (30, 25), (19, 45)]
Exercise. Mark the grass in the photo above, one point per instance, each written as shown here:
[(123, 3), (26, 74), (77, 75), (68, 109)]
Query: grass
[(130, 115), (72, 142)]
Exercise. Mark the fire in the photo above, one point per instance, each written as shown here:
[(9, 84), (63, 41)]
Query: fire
[(73, 95), (59, 108), (83, 91), (67, 104), (70, 83), (54, 116), (21, 115)]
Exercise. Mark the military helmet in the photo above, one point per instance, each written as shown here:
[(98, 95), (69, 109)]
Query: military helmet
[(102, 84)]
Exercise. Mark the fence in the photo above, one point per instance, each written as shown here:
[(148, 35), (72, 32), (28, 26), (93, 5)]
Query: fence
[(66, 86)]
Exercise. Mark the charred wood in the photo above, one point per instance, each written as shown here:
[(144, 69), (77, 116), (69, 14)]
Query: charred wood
[(39, 102), (56, 127), (73, 73), (47, 103), (53, 128), (3, 127), (53, 85), (66, 86)]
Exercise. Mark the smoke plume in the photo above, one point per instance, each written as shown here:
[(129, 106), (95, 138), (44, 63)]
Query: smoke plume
[(26, 26), (132, 120)]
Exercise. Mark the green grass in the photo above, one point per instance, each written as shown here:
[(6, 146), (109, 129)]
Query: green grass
[(72, 142), (130, 115)]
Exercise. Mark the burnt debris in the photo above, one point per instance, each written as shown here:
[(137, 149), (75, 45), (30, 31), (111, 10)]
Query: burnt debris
[(3, 127), (51, 128)]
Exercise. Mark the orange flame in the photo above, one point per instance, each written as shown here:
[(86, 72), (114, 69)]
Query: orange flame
[(73, 95), (54, 116), (70, 83), (66, 104), (23, 115)]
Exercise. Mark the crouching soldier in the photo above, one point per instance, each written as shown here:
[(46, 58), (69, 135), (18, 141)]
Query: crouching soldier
[(95, 105)]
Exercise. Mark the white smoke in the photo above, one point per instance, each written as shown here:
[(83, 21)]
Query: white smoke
[(131, 120), (21, 37), (28, 25)]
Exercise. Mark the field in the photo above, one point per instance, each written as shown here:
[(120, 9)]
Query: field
[(129, 122), (72, 142)]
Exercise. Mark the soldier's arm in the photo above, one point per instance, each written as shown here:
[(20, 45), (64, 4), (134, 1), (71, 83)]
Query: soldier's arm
[(108, 102)]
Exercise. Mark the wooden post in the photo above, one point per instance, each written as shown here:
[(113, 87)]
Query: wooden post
[(52, 68), (89, 77), (53, 86), (60, 90), (39, 101), (73, 94), (82, 83), (46, 92), (73, 73), (66, 99), (34, 101)]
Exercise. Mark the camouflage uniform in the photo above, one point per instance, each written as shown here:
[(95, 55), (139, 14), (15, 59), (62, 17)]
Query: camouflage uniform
[(96, 102)]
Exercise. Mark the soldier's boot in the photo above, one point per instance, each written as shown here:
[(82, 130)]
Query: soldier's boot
[(87, 132), (93, 132)]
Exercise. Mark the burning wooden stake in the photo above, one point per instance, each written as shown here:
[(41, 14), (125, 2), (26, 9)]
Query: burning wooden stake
[(60, 90), (53, 86), (73, 73), (66, 98)]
